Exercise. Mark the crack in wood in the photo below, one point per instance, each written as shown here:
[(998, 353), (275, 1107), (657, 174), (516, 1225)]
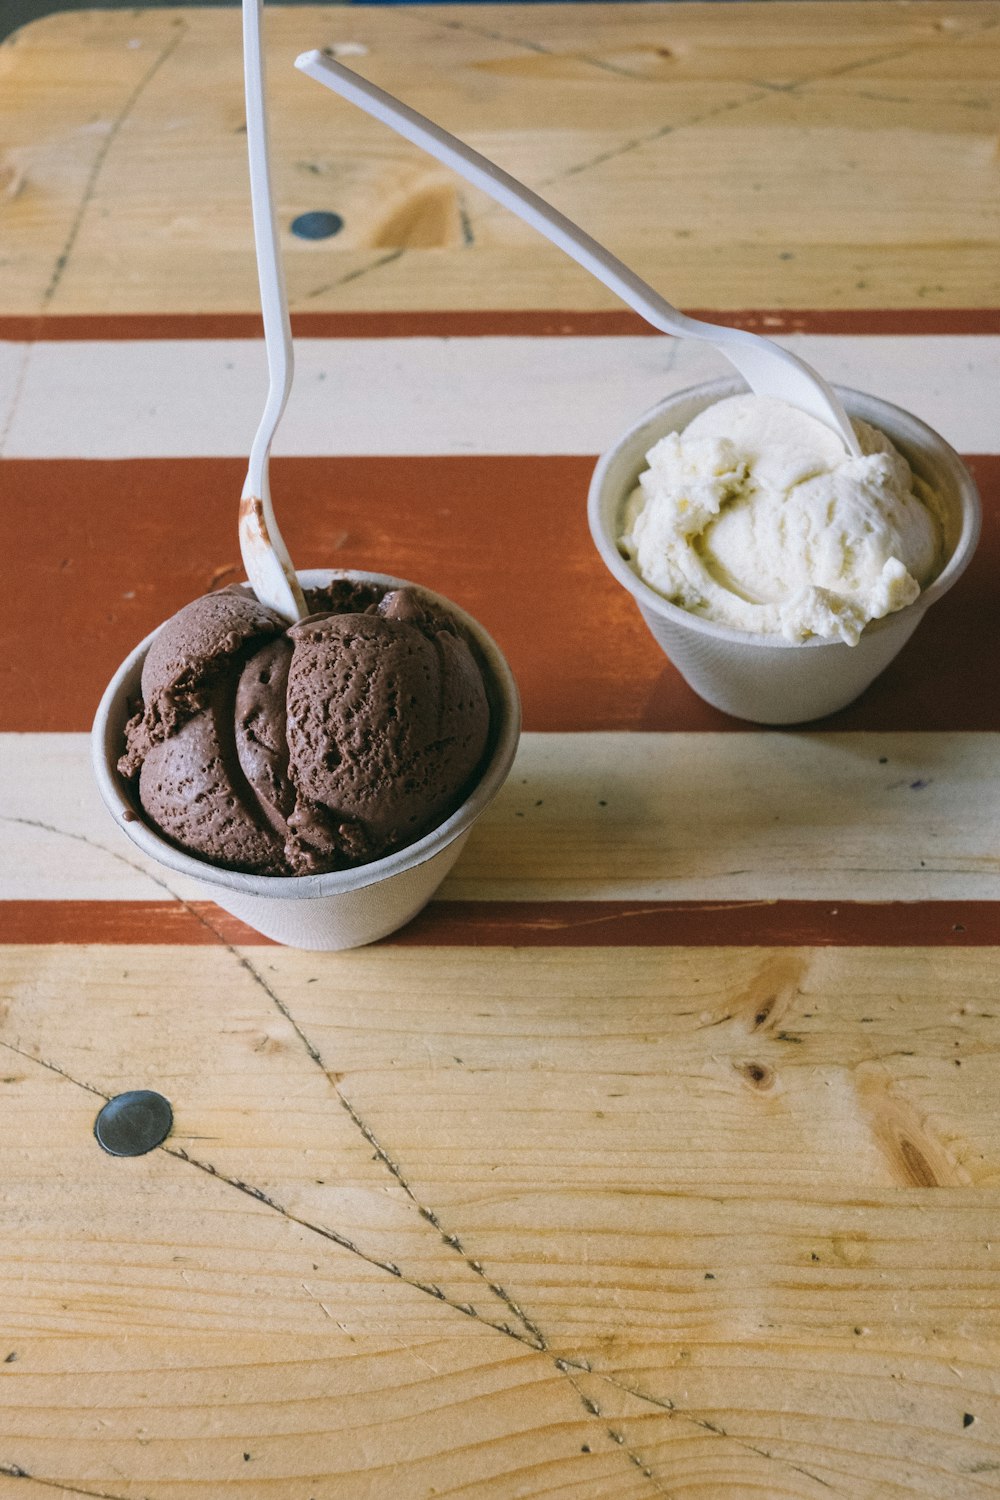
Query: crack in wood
[(62, 260), (591, 1407), (451, 1240), (334, 1235), (564, 1365), (623, 149), (83, 838), (355, 275), (530, 46), (764, 89), (15, 400), (664, 1403), (55, 1068), (15, 1471), (483, 31), (839, 72)]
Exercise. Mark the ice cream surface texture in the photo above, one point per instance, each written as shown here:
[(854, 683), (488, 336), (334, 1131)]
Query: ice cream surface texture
[(291, 750), (757, 518)]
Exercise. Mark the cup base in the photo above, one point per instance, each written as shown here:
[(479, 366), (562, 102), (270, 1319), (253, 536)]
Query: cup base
[(354, 919), (766, 685)]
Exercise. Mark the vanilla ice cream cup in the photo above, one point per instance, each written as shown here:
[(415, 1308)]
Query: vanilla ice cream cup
[(769, 679), (344, 908)]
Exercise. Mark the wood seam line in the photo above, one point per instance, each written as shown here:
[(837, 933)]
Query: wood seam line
[(661, 131), (625, 147), (15, 1471), (615, 1436), (432, 22), (665, 1404), (729, 106), (357, 273), (611, 154), (450, 1239)]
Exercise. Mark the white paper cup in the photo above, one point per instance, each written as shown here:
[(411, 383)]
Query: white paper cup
[(766, 678), (345, 908)]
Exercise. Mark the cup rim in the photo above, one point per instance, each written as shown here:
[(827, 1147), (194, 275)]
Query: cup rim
[(130, 818), (711, 391)]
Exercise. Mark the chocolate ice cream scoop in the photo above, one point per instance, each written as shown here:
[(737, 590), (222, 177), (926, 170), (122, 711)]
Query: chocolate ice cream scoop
[(194, 649), (293, 751)]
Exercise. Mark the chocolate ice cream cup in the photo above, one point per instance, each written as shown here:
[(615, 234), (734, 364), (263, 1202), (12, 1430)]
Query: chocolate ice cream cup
[(769, 679), (344, 908)]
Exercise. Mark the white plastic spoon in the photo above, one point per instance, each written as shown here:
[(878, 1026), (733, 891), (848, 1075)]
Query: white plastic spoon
[(768, 369), (265, 556)]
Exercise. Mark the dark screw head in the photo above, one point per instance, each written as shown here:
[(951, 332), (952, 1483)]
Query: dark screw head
[(318, 225), (132, 1124)]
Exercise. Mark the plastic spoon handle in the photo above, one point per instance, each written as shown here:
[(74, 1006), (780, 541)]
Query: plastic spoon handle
[(265, 556), (767, 368)]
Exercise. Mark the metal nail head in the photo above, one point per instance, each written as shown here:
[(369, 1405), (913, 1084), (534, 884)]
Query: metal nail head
[(132, 1124), (318, 225)]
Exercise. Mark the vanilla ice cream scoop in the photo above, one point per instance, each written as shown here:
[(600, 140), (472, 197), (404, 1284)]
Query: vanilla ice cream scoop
[(755, 517)]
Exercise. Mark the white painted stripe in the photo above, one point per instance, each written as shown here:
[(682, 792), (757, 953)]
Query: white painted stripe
[(752, 815), (190, 398), (12, 361)]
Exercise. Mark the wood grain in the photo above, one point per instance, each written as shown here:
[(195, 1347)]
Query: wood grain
[(478, 1420), (857, 140), (769, 1264), (612, 817), (835, 1077)]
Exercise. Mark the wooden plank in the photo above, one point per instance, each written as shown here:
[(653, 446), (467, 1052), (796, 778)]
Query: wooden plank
[(875, 1075), (674, 107), (340, 1415), (540, 396), (304, 1413), (540, 924), (769, 1263), (618, 817), (648, 1051), (534, 323)]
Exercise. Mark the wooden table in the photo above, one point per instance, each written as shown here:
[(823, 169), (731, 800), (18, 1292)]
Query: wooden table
[(660, 1156)]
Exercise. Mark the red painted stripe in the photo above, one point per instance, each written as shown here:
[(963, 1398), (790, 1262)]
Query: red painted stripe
[(700, 924), (543, 924), (526, 323), (94, 551), (170, 922)]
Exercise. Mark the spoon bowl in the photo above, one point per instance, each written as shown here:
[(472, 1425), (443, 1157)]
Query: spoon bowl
[(768, 369)]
